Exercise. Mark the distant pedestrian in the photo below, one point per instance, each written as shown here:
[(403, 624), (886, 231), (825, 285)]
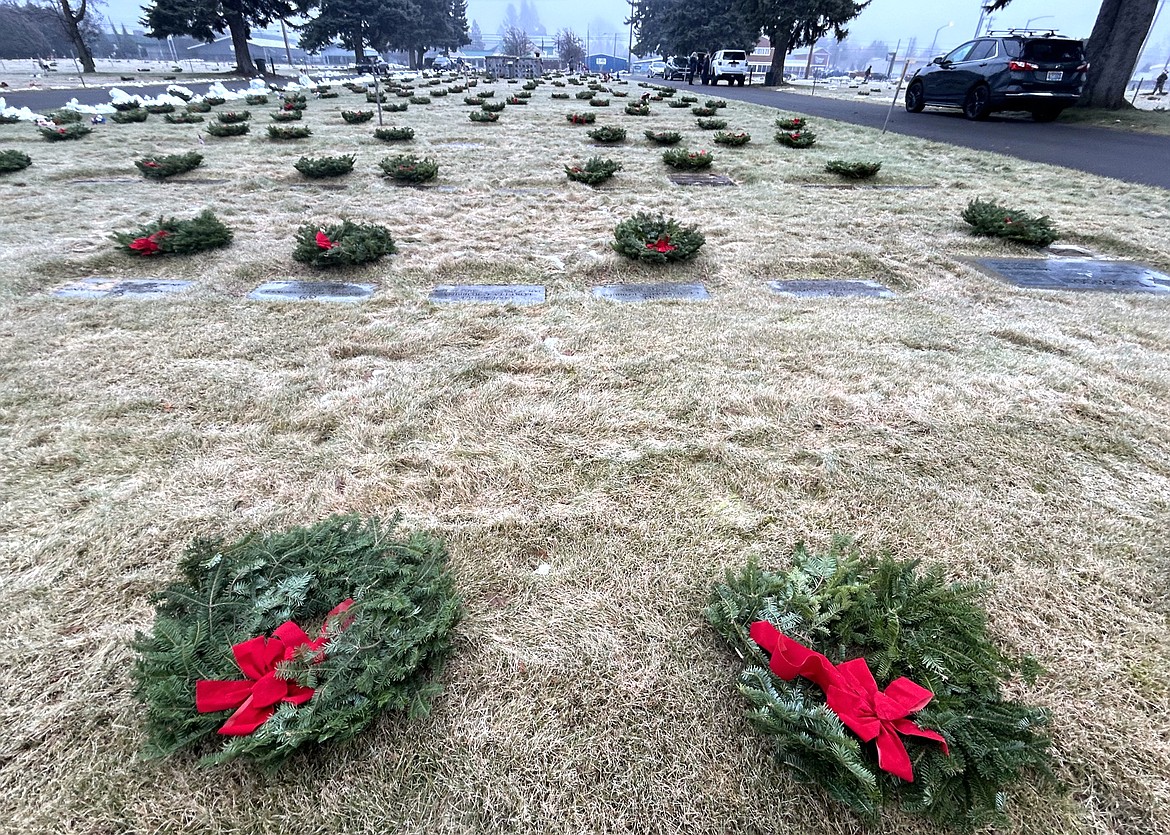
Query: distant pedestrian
[(1159, 82), (868, 73), (692, 68), (705, 69)]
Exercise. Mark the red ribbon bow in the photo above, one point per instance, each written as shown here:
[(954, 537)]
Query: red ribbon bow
[(852, 693), (149, 244), (662, 245), (323, 241), (255, 697)]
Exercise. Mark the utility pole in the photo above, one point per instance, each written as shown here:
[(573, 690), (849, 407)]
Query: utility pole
[(287, 52)]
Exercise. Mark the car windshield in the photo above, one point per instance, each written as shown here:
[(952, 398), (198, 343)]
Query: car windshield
[(730, 55), (1053, 51)]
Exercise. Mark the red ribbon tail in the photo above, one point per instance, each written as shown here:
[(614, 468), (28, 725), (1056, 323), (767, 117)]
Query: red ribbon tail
[(892, 755), (247, 719), (909, 728), (211, 696)]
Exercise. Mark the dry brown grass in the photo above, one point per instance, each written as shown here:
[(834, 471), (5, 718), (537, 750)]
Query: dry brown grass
[(1017, 437)]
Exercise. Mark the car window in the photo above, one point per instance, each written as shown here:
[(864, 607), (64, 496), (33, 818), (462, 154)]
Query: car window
[(983, 50), (1053, 51), (959, 53), (732, 55), (1013, 48)]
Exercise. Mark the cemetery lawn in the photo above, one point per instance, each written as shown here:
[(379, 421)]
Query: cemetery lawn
[(630, 452)]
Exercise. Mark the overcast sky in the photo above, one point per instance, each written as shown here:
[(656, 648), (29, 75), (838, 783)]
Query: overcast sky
[(883, 20)]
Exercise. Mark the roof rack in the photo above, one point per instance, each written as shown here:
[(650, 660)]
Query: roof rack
[(1027, 33)]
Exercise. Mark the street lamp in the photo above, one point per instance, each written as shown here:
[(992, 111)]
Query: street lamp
[(934, 40), (1042, 17)]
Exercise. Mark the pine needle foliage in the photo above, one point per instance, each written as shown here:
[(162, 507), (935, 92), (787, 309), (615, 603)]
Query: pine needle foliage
[(989, 219), (222, 130), (686, 160), (656, 239), (160, 168), (179, 237), (183, 118), (607, 135), (595, 170), (395, 108), (63, 133), (394, 134), (160, 109), (797, 138), (287, 115), (126, 117), (350, 244), (13, 160), (853, 170), (355, 117), (255, 99), (200, 107), (233, 117), (321, 167), (703, 112), (404, 611), (664, 137), (294, 132), (711, 124), (905, 620), (408, 168), (63, 116), (733, 140)]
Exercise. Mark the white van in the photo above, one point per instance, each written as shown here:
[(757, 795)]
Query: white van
[(729, 65)]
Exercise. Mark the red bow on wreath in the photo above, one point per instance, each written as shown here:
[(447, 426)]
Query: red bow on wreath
[(149, 244), (255, 697), (852, 693), (663, 244), (323, 241)]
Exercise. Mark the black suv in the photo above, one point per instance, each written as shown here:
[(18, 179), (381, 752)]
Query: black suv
[(1012, 70)]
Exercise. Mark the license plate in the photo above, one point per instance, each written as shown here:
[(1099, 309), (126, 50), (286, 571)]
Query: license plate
[(1055, 76)]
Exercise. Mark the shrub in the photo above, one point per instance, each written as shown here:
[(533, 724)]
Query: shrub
[(595, 170), (159, 168), (665, 137), (170, 236), (608, 135), (681, 158), (711, 124), (797, 139), (233, 117), (394, 134), (355, 117), (656, 239), (61, 133), (853, 170), (344, 244), (990, 219), (408, 168), (385, 606), (222, 130), (13, 160), (293, 132), (321, 167), (733, 139)]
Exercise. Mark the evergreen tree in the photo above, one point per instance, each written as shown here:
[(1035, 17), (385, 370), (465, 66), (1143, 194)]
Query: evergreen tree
[(680, 27), (204, 19), (476, 36), (790, 24), (530, 19), (359, 24), (438, 24)]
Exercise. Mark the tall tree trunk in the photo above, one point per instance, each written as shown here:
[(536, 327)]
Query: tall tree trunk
[(1112, 51), (72, 19), (779, 42), (238, 28), (359, 54)]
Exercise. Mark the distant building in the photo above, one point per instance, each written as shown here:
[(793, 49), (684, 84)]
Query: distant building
[(760, 59), (602, 62)]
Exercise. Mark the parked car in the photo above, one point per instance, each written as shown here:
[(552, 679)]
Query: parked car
[(676, 68), (372, 67), (1003, 71), (730, 65), (657, 69)]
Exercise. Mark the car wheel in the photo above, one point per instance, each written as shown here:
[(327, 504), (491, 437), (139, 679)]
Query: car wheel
[(978, 102), (741, 80), (1046, 114), (915, 97)]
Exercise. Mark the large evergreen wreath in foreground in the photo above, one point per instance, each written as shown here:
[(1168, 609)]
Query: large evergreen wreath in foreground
[(171, 236), (379, 607), (344, 244), (656, 238), (914, 630)]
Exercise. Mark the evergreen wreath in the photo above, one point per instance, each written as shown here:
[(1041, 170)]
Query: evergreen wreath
[(827, 613), (664, 137), (159, 168), (328, 95), (656, 239), (355, 117), (13, 160), (394, 134), (581, 118), (678, 103), (516, 100), (711, 124), (375, 98), (287, 115), (483, 116), (291, 132), (183, 118), (608, 135), (522, 94), (420, 100), (395, 108), (621, 94), (716, 104), (493, 106), (989, 219), (584, 95), (62, 133), (320, 167), (485, 94), (342, 245), (637, 109), (596, 102), (796, 123), (59, 117), (126, 117), (160, 109), (233, 117), (852, 170), (559, 96), (687, 99), (734, 140), (457, 90), (294, 101), (797, 138), (220, 129), (126, 106), (7, 119), (408, 168), (170, 236), (595, 170), (703, 112), (215, 101), (473, 101), (255, 99), (205, 106), (385, 605), (682, 159)]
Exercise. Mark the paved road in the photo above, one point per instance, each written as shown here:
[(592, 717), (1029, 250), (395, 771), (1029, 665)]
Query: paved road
[(1133, 157)]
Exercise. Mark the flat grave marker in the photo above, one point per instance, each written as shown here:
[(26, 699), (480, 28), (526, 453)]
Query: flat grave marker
[(826, 288), (626, 293), (101, 287), (1078, 274), (700, 179), (311, 291), (520, 294)]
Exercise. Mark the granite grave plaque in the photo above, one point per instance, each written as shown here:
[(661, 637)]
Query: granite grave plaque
[(701, 179), (99, 287), (315, 291), (652, 292), (488, 293), (831, 287), (1078, 274)]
